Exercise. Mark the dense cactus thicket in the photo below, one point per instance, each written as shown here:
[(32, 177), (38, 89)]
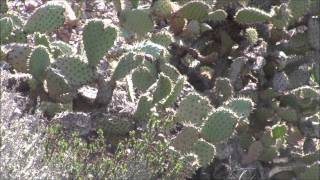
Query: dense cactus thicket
[(212, 89)]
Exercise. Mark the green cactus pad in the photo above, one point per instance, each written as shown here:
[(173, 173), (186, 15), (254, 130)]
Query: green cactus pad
[(219, 126), (164, 38), (175, 93), (47, 18), (17, 56), (185, 139), (137, 21), (193, 109), (241, 106), (194, 10), (163, 8), (98, 37), (38, 62), (170, 71), (223, 89), (143, 109), (163, 89), (142, 78), (149, 48), (250, 15), (205, 152), (76, 72), (127, 63), (6, 28), (217, 16), (56, 85)]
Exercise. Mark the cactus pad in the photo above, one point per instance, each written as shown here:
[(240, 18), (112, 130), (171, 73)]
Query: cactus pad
[(142, 78), (194, 10), (17, 57), (250, 15), (193, 109), (137, 21), (98, 37), (186, 138), (175, 92), (205, 152), (163, 89), (163, 8), (127, 63), (38, 62), (76, 72), (241, 106), (219, 126), (217, 16), (46, 18)]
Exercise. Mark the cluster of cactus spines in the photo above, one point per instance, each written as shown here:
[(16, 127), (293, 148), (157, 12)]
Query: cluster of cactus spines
[(251, 35), (98, 37), (250, 15), (47, 18)]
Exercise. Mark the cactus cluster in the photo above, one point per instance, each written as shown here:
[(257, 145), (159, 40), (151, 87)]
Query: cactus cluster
[(218, 74)]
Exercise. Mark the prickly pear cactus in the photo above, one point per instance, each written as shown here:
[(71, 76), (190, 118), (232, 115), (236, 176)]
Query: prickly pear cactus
[(98, 37), (185, 140), (163, 9), (193, 109), (75, 71), (163, 89), (137, 21), (205, 152), (17, 56), (38, 62), (250, 15), (47, 18), (217, 16), (142, 78), (219, 126), (194, 10), (241, 106)]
